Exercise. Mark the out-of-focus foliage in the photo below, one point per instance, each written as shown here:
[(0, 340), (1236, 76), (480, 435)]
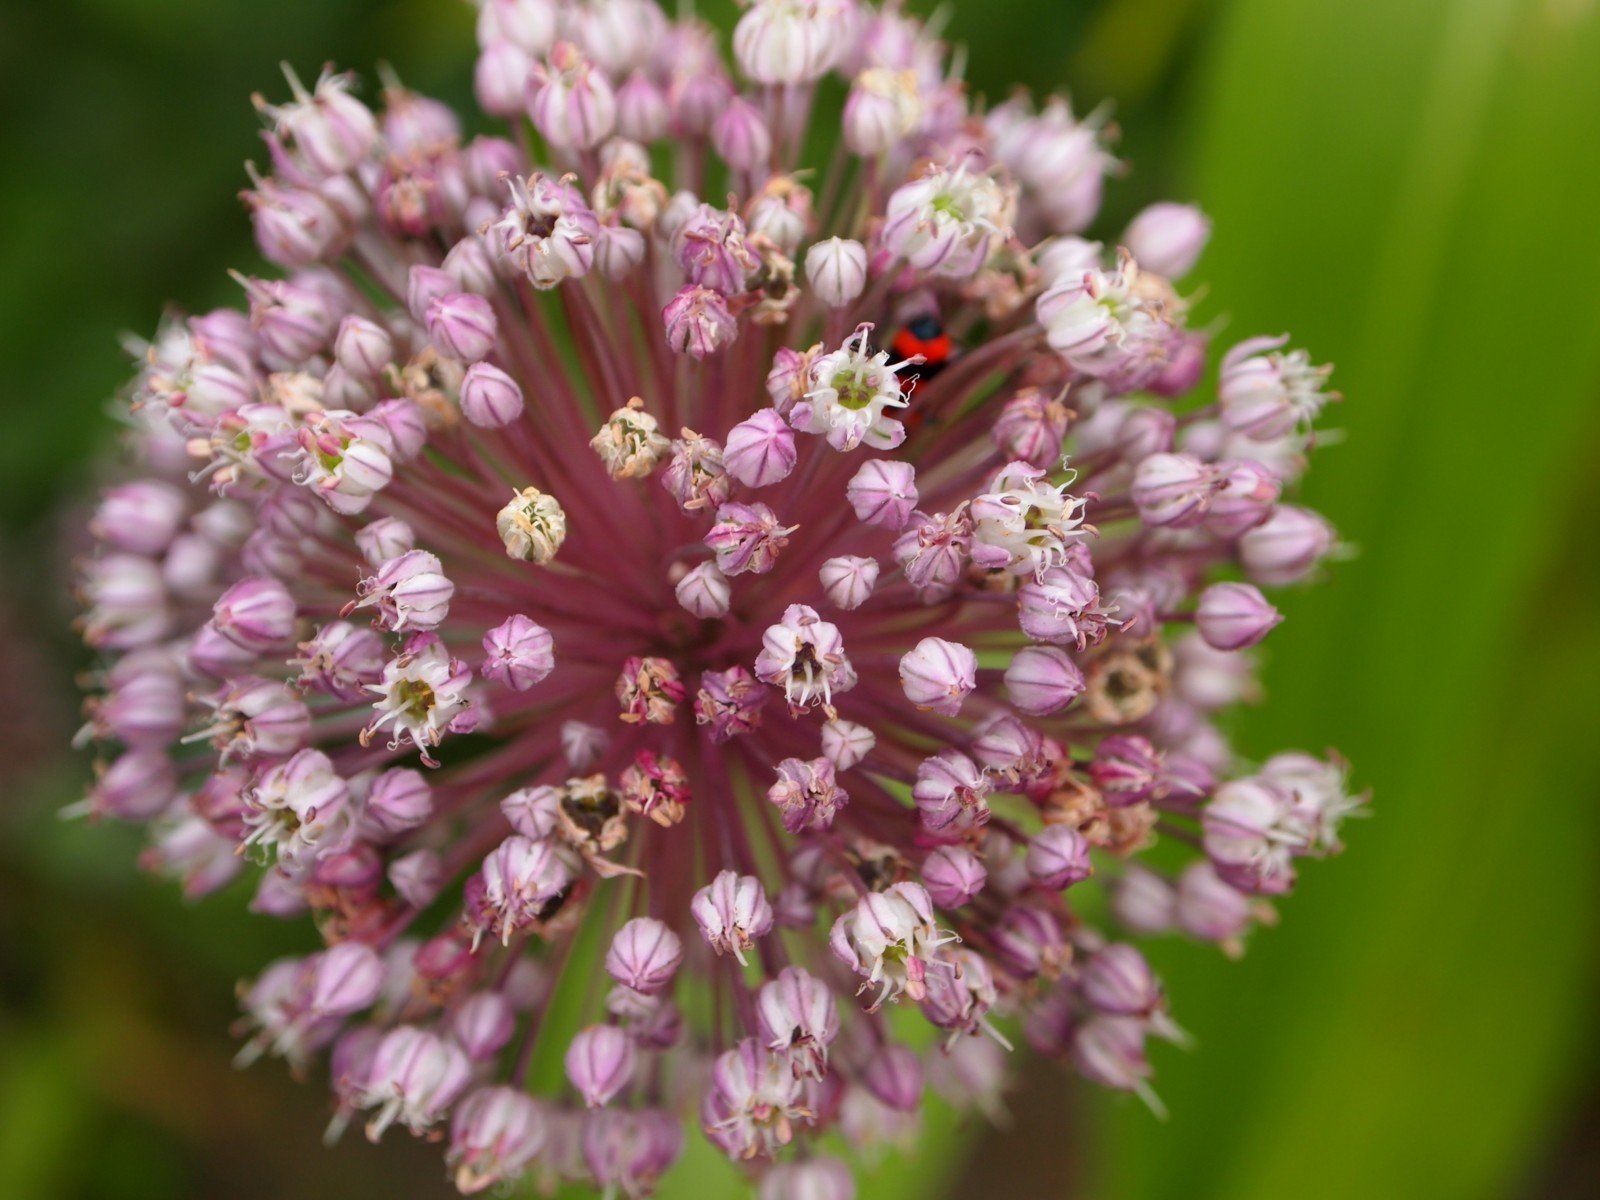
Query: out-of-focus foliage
[(1409, 187)]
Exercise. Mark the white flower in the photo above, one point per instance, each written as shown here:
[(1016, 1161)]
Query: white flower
[(850, 391)]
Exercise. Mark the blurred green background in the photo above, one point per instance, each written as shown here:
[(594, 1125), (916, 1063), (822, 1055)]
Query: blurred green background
[(1411, 186)]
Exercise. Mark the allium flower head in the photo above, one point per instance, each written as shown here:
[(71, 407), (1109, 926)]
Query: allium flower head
[(596, 574)]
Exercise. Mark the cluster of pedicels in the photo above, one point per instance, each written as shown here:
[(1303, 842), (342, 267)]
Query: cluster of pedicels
[(661, 597)]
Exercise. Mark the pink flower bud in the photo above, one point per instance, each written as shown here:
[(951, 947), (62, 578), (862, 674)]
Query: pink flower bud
[(483, 1024), (642, 113), (415, 1077), (489, 397), (950, 791), (1143, 901), (1031, 428), (938, 674), (1232, 616), (462, 326), (1285, 547), (740, 135), (255, 614), (571, 102), (469, 264), (1029, 941), (135, 787), (141, 517), (809, 1179), (1207, 907), (848, 579), (953, 875), (1110, 1051), (345, 979), (494, 1137), (1167, 238), (600, 1063), (894, 1076), (779, 42), (883, 492), (519, 652), (1173, 490), (1043, 679), (417, 877), (837, 271), (383, 539), (1246, 498), (500, 79), (424, 285), (760, 450), (1058, 857), (644, 955), (704, 591), (845, 743), (399, 799)]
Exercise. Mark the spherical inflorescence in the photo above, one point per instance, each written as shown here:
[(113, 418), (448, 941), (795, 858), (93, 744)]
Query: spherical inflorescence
[(804, 580)]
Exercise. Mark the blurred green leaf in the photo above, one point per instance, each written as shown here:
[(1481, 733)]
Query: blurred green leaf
[(1384, 178)]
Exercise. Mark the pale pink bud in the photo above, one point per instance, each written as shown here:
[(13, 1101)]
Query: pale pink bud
[(345, 979), (1144, 901), (400, 799), (704, 591), (415, 1077), (1167, 238), (760, 450), (849, 579), (809, 1179), (600, 1063), (484, 1024), (740, 135), (642, 112), (950, 792), (1285, 547), (1173, 490), (469, 264), (519, 652), (939, 675), (135, 787), (1043, 679), (530, 25), (256, 614), (462, 326), (1058, 857), (1029, 941), (1246, 498), (644, 955), (141, 517), (845, 743), (781, 42), (534, 812), (894, 1076), (837, 271), (799, 1017), (953, 875), (1232, 616), (424, 285), (883, 492), (494, 1137), (1031, 428), (489, 397), (500, 79), (571, 102), (1207, 907)]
